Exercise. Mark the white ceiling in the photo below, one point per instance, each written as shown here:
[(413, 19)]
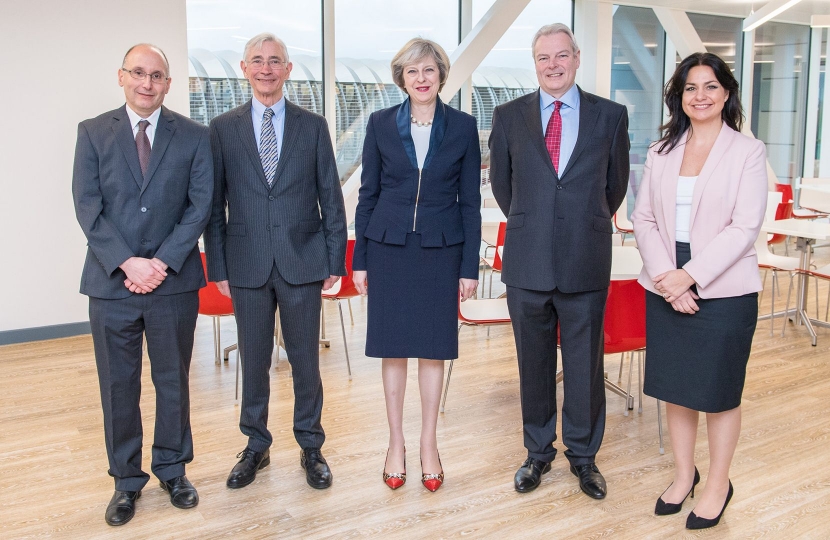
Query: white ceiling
[(800, 13)]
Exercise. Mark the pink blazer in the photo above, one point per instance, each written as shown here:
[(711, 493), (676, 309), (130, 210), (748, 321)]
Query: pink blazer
[(728, 204)]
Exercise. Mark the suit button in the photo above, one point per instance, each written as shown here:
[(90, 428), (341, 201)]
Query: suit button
[(143, 208), (558, 186), (271, 197), (143, 242), (267, 227)]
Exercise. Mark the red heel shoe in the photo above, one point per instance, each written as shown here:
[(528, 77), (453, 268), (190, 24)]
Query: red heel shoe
[(432, 481), (394, 480)]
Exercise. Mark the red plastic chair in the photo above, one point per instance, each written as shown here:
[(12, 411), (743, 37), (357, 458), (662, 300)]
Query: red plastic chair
[(787, 195), (215, 305), (478, 312), (494, 263), (346, 290), (784, 211)]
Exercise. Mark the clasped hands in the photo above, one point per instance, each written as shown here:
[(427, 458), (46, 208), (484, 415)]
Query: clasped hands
[(143, 275), (467, 287), (674, 286)]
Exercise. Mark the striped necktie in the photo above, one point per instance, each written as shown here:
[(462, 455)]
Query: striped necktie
[(268, 151)]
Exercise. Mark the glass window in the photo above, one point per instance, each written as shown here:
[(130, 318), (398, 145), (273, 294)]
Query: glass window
[(821, 166), (367, 35), (507, 71), (637, 82), (722, 36), (780, 94)]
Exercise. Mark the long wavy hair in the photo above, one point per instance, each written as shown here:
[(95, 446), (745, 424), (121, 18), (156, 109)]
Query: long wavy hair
[(679, 122)]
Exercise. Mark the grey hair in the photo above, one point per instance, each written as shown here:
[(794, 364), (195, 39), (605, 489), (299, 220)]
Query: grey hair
[(417, 49), (151, 46), (259, 40), (555, 28)]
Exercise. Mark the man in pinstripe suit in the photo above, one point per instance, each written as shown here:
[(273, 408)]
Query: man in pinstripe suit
[(276, 237)]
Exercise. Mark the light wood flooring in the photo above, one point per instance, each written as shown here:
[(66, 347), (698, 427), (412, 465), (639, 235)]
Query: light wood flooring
[(53, 480)]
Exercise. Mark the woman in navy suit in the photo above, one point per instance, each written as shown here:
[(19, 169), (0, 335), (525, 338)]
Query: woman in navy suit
[(418, 232)]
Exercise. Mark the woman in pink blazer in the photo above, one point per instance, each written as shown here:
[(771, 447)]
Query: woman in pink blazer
[(698, 212)]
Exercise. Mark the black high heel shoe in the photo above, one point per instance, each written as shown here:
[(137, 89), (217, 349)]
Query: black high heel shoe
[(662, 508), (695, 522)]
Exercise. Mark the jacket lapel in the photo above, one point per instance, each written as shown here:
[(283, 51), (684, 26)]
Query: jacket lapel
[(668, 186), (403, 120), (124, 135), (245, 128), (588, 112), (164, 133), (436, 135), (289, 137), (533, 119), (722, 144)]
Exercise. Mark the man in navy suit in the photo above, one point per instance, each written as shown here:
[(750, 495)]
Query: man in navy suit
[(142, 185), (276, 237), (559, 170)]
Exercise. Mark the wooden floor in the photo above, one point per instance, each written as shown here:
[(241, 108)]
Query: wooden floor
[(53, 480)]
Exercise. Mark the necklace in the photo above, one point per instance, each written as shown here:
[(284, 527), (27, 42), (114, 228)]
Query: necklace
[(421, 124)]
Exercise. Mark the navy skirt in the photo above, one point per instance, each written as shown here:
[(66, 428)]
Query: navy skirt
[(699, 361), (413, 300)]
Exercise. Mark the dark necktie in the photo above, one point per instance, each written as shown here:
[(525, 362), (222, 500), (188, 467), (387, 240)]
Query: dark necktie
[(268, 152), (142, 143), (553, 135)]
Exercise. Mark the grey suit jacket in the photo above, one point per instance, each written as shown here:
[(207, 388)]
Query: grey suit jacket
[(299, 223), (124, 214), (559, 227)]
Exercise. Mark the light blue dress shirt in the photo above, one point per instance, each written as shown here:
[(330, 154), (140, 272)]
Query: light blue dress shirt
[(278, 120), (570, 121)]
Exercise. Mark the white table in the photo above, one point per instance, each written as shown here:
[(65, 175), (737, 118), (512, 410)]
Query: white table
[(806, 233), (492, 216), (626, 263)]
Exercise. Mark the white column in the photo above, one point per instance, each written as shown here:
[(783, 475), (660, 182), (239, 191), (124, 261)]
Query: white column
[(747, 77), (329, 93), (811, 127), (465, 25), (680, 31), (593, 29), (824, 165)]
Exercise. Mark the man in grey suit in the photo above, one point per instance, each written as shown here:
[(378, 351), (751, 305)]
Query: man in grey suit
[(276, 237), (559, 170), (142, 185)]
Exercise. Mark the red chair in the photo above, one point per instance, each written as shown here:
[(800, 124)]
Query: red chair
[(345, 291), (478, 312), (804, 213), (783, 211), (494, 263), (215, 305)]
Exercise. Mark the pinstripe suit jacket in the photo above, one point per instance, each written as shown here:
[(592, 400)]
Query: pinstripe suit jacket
[(299, 223)]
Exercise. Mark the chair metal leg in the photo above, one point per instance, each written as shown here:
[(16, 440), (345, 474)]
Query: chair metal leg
[(763, 288), (216, 334), (787, 306), (351, 314), (322, 322), (449, 374), (660, 427), (345, 345), (772, 303), (228, 350), (629, 401), (619, 375), (640, 366)]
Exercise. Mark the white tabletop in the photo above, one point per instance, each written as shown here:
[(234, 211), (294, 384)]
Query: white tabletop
[(492, 216), (801, 228), (820, 188), (625, 262)]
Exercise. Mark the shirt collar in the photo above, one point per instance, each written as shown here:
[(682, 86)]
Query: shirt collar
[(570, 99), (135, 118), (259, 109)]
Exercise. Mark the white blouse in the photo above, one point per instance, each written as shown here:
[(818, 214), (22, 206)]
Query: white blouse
[(420, 136), (683, 208)]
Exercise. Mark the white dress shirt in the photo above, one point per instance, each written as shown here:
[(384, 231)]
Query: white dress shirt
[(151, 129), (683, 208)]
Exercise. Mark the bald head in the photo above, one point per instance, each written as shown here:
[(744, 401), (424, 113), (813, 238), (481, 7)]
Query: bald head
[(147, 48)]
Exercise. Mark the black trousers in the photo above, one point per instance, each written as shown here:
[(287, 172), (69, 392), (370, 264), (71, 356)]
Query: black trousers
[(535, 315), (255, 310), (117, 330)]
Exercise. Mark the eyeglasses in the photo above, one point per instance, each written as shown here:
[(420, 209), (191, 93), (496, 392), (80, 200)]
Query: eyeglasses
[(275, 63), (139, 74)]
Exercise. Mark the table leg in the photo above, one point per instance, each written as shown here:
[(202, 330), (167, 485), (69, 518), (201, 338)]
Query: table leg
[(804, 245)]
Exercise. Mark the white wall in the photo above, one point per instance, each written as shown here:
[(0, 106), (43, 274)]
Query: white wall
[(59, 62)]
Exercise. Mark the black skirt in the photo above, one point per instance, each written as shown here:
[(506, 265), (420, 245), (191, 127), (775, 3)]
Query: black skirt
[(699, 361), (413, 300)]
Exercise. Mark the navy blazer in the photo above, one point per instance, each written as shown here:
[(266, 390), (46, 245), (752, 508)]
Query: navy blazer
[(444, 209)]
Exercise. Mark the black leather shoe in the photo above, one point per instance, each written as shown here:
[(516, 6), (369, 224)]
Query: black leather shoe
[(121, 508), (529, 475), (695, 522), (317, 472), (244, 472), (591, 481), (182, 493)]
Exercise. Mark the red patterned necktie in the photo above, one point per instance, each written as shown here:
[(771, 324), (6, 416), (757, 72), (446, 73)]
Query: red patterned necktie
[(142, 143), (553, 135)]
